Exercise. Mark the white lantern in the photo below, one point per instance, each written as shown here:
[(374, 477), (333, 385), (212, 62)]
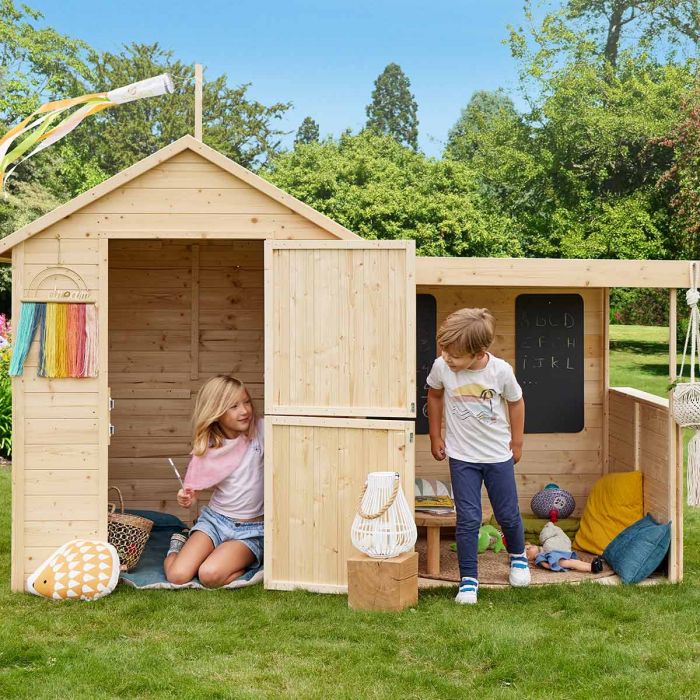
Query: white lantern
[(384, 526)]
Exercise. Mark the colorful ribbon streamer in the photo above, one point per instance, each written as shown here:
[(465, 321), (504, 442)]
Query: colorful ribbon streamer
[(40, 129)]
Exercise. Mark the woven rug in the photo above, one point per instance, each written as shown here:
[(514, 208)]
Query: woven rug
[(493, 568)]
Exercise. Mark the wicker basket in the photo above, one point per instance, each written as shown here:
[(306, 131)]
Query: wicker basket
[(128, 533)]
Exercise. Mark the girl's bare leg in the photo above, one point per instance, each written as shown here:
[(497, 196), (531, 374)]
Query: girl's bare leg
[(181, 567), (225, 564)]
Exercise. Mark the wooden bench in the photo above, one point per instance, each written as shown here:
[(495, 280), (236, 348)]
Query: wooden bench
[(433, 523)]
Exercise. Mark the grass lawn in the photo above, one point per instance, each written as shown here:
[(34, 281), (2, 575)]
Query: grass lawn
[(587, 641)]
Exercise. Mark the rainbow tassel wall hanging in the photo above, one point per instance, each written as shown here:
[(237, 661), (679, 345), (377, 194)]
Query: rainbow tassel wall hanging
[(67, 339)]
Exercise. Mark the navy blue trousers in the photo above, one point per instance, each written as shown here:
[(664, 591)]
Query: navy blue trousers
[(499, 478)]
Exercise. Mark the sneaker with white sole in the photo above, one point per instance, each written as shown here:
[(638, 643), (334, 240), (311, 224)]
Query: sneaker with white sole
[(177, 541), (519, 570), (468, 588)]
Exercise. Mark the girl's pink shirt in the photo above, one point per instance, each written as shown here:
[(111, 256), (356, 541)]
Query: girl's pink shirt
[(240, 496)]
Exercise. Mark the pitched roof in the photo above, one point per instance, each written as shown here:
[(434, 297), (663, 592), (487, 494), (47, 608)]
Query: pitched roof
[(185, 143)]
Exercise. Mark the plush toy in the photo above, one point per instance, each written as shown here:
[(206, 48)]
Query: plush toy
[(80, 569), (554, 539), (553, 503), (490, 537)]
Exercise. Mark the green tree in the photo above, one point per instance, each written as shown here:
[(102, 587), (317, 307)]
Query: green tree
[(36, 63), (578, 30), (596, 139), (598, 104), (681, 182), (240, 128), (382, 190), (477, 119), (308, 132), (646, 21), (393, 110)]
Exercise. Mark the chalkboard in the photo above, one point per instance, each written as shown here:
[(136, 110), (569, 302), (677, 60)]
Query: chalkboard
[(549, 361), (426, 352)]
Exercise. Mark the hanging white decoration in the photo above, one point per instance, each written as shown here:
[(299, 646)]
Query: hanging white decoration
[(384, 526), (685, 400), (42, 127)]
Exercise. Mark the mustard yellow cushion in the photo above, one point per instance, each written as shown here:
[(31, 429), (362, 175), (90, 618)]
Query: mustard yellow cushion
[(614, 503)]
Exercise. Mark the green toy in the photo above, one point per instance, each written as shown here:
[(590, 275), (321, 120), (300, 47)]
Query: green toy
[(489, 536)]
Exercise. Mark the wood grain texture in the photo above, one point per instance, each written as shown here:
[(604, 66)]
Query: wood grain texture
[(314, 473), (365, 286), (572, 460)]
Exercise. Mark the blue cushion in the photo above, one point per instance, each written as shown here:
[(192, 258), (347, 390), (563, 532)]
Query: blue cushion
[(639, 549), (159, 519)]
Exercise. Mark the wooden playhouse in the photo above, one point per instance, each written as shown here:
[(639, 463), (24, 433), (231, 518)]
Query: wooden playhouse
[(199, 267)]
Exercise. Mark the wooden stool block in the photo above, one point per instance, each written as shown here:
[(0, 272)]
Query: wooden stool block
[(383, 584)]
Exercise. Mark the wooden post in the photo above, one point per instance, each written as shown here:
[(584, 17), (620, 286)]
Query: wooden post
[(194, 315), (675, 479), (198, 79), (606, 380), (433, 554), (18, 457)]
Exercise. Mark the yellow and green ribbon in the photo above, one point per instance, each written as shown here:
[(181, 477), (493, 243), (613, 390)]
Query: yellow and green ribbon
[(40, 129)]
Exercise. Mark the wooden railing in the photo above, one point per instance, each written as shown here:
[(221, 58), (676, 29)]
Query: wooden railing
[(641, 437)]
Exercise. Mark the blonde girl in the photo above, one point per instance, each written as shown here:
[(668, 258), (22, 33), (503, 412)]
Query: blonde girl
[(227, 454)]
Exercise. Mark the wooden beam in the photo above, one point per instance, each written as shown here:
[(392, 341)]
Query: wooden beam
[(675, 468), (545, 272), (18, 456), (605, 354), (198, 79), (103, 382), (194, 315)]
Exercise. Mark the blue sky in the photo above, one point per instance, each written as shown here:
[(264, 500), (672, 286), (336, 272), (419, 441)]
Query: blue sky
[(321, 56)]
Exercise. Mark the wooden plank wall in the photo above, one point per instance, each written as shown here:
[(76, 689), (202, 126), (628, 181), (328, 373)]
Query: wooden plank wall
[(624, 433), (187, 197), (60, 426), (644, 438), (639, 441), (572, 460), (313, 480), (342, 329), (182, 309)]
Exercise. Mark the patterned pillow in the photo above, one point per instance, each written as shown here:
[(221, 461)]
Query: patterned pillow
[(433, 487), (80, 569)]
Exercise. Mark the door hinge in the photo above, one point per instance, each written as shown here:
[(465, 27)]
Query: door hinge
[(410, 437), (112, 430), (111, 404), (413, 407)]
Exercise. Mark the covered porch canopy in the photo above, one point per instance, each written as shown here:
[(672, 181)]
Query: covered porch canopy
[(625, 429)]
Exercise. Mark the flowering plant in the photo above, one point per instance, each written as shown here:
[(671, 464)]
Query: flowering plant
[(5, 387)]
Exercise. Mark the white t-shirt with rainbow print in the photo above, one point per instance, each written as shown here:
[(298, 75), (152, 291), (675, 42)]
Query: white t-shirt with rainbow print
[(476, 412)]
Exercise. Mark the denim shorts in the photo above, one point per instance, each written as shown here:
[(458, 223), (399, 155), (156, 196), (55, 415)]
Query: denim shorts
[(221, 528)]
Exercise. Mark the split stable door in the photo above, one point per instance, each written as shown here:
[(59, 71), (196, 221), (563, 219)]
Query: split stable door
[(340, 393)]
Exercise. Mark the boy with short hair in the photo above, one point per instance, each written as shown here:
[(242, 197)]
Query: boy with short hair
[(485, 419)]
